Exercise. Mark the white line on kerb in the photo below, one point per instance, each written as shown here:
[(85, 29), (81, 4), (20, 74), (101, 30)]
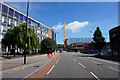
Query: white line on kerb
[(114, 69), (50, 69), (81, 65), (94, 75), (75, 60)]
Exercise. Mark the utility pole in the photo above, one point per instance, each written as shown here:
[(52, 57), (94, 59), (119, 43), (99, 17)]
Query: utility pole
[(26, 45), (64, 35)]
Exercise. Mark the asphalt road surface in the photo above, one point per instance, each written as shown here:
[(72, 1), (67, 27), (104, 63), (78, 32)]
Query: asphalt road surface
[(82, 66), (71, 66)]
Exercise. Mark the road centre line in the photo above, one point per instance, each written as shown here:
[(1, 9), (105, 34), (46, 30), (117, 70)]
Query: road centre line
[(94, 75), (81, 65), (50, 69), (114, 69)]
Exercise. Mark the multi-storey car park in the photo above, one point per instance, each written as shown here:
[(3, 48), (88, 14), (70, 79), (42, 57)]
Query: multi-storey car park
[(10, 17)]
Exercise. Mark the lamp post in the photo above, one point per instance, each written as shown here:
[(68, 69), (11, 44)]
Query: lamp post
[(26, 34)]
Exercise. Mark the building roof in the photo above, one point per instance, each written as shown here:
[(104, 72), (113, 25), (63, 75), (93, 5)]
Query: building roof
[(115, 29)]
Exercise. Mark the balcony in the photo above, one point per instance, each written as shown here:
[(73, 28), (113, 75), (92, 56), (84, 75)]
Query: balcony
[(10, 16), (4, 23), (15, 18), (4, 14)]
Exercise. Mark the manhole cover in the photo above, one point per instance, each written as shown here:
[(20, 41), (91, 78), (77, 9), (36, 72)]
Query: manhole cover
[(36, 66), (99, 64)]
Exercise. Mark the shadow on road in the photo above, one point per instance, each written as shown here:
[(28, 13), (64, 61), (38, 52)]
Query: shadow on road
[(108, 57), (105, 57)]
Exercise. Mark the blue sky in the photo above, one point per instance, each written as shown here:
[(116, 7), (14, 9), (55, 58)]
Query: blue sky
[(80, 17)]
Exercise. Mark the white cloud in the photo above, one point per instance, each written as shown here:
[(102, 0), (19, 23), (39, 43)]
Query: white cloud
[(74, 26), (57, 27)]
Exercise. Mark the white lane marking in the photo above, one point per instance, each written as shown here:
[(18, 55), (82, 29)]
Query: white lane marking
[(105, 61), (94, 75), (50, 69), (57, 61), (75, 60), (114, 69), (36, 70), (96, 62), (81, 65)]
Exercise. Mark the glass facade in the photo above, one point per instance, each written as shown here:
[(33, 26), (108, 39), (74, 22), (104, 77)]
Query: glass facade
[(16, 14), (11, 12), (11, 17), (53, 35), (0, 29), (5, 29), (38, 25), (21, 17), (25, 18), (0, 6), (29, 20), (4, 9)]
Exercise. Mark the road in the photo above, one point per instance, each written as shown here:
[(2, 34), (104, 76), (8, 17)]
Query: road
[(70, 65), (81, 66)]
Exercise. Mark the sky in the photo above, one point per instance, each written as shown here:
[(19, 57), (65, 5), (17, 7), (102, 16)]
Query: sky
[(81, 18)]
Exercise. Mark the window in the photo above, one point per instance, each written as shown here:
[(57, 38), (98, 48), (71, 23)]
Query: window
[(4, 9), (5, 29), (29, 21), (9, 20), (2, 36), (41, 32), (2, 17), (0, 6), (113, 35), (25, 18), (11, 12), (17, 23), (21, 17), (0, 29), (16, 14), (41, 26), (38, 25)]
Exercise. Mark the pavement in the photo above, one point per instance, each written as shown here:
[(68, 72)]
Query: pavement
[(67, 65), (15, 69)]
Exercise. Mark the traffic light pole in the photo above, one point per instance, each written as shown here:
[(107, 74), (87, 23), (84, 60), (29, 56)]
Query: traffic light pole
[(26, 34)]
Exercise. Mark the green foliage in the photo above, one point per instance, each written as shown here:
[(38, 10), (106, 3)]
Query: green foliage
[(99, 40), (47, 42), (16, 37)]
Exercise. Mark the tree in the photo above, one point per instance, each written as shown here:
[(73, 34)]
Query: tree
[(48, 43), (16, 37), (99, 40)]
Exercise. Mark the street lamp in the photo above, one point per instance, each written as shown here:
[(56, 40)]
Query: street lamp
[(26, 34)]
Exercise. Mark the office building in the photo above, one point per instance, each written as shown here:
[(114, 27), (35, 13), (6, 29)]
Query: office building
[(10, 17), (79, 44)]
